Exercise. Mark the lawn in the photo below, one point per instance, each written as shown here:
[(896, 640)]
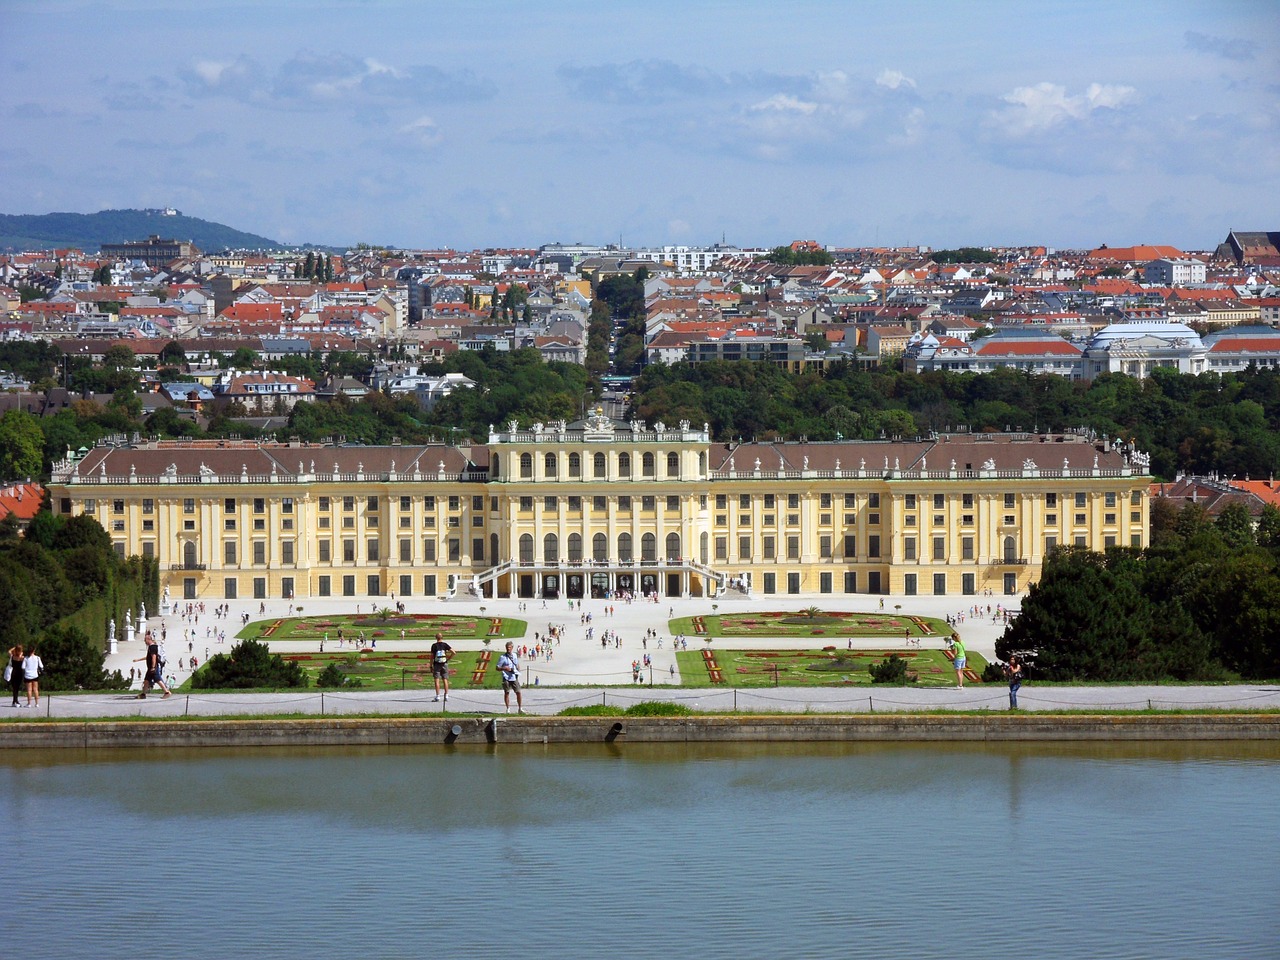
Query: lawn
[(403, 671), (814, 668), (832, 624), (421, 627)]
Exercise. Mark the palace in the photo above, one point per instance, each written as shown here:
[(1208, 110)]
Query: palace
[(601, 507)]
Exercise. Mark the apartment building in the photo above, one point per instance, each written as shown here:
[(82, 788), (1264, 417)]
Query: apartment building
[(601, 507)]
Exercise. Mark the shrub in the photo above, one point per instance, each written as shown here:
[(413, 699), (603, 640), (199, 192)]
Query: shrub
[(656, 708), (250, 664), (993, 673), (72, 661), (597, 710), (891, 671), (331, 676)]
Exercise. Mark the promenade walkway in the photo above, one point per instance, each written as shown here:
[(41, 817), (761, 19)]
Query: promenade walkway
[(582, 672)]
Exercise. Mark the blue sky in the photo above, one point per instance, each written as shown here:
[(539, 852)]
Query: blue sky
[(472, 123)]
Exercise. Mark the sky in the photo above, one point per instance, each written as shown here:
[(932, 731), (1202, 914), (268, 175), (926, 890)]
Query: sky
[(479, 123)]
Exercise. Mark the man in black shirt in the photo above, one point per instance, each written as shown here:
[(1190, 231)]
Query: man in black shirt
[(441, 654), (154, 674)]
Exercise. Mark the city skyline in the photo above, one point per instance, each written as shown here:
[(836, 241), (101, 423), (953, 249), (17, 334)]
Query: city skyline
[(477, 125)]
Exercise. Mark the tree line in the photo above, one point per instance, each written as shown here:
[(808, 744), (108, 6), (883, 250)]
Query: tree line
[(1201, 603), (1211, 423), (61, 584), (1225, 424)]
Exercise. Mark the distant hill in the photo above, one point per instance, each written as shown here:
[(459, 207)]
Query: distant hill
[(88, 231)]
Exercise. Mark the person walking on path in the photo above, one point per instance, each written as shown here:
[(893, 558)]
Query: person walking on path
[(153, 674), (1014, 674), (32, 667), (509, 667), (13, 672), (441, 654), (957, 650)]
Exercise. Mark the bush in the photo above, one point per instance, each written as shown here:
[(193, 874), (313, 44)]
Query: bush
[(656, 708), (250, 664), (597, 710), (74, 662), (331, 676), (891, 671), (993, 673)]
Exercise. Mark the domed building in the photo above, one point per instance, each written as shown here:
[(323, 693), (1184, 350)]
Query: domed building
[(1138, 347)]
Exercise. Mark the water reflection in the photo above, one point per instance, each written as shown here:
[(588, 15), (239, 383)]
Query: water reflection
[(733, 850)]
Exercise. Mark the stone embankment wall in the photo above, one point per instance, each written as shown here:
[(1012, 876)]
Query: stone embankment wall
[(578, 730)]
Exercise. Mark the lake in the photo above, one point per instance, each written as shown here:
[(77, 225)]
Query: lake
[(639, 850)]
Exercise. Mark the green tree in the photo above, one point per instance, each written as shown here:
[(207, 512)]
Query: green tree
[(244, 359), (173, 354), (119, 357), (74, 662), (1084, 620), (249, 664), (81, 530), (1235, 526), (1268, 532), (21, 446)]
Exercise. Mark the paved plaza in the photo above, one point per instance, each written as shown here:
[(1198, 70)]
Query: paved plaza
[(581, 672)]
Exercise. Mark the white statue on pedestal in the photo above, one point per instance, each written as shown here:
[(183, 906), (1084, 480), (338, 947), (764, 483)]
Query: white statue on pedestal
[(111, 637)]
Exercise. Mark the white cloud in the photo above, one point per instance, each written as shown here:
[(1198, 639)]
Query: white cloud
[(1046, 105), (424, 131), (894, 79), (784, 103), (209, 71)]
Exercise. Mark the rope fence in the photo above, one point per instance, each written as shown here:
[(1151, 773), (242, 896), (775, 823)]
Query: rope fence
[(548, 699)]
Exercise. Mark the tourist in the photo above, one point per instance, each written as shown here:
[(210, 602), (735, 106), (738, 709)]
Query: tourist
[(441, 654), (1013, 672), (957, 650), (13, 672), (32, 668), (152, 675), (509, 667)]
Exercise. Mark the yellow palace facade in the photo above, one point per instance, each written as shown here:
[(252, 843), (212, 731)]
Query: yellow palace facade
[(604, 507)]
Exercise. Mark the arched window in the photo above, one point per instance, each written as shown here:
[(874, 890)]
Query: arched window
[(646, 465), (526, 466), (624, 547), (189, 554), (495, 464), (549, 465), (704, 547), (702, 464), (550, 549), (597, 466), (575, 548), (1010, 550), (526, 548), (575, 465), (673, 546), (599, 547), (624, 464), (648, 547), (673, 464)]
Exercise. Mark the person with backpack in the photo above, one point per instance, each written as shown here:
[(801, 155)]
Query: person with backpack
[(509, 667), (441, 654)]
